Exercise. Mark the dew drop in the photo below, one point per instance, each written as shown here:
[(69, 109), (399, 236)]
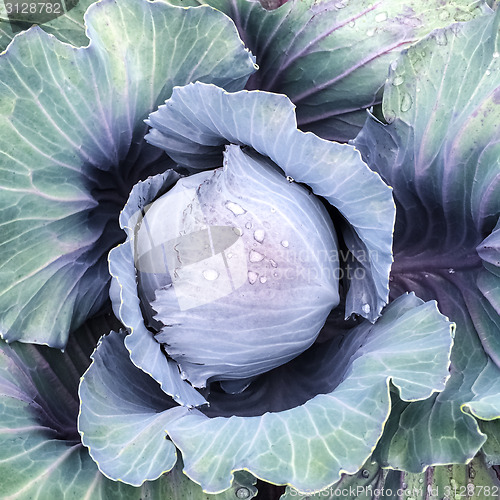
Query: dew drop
[(440, 36), (342, 4), (406, 102), (259, 235), (420, 480), (488, 72), (451, 270), (263, 279), (275, 275), (210, 274), (229, 255), (398, 81), (366, 308), (237, 231), (380, 18), (404, 486), (390, 116), (184, 375), (242, 493), (444, 15), (235, 208), (273, 263), (255, 256), (284, 243), (495, 55), (394, 65), (462, 16), (252, 277), (273, 210), (352, 24), (290, 179), (365, 473), (370, 32), (248, 225)]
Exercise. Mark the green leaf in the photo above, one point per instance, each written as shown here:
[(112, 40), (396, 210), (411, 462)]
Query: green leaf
[(331, 57), (67, 170), (440, 151), (309, 446), (123, 413), (41, 455)]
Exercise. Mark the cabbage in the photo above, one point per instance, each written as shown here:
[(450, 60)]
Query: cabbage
[(285, 307)]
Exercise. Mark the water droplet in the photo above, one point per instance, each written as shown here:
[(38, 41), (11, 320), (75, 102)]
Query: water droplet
[(252, 277), (273, 263), (404, 486), (370, 32), (451, 270), (210, 274), (273, 210), (365, 473), (255, 256), (394, 65), (235, 208), (443, 15), (242, 493), (390, 116), (342, 4), (488, 72), (440, 36), (259, 235), (418, 89), (495, 55), (237, 231), (398, 81), (184, 375), (290, 179), (426, 275), (248, 225), (420, 480), (284, 243), (462, 16), (472, 473), (366, 308), (352, 24), (229, 255), (275, 275), (406, 102), (263, 279), (381, 17)]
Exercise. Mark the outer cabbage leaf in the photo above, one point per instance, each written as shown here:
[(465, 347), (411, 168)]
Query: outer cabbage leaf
[(127, 446), (41, 455), (331, 57), (66, 172), (195, 124), (440, 152)]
